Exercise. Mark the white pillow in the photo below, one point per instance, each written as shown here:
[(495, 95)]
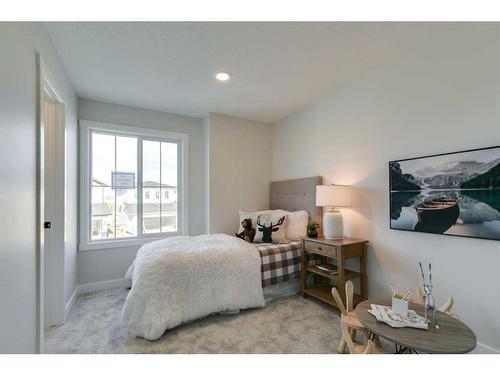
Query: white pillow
[(267, 216), (296, 223)]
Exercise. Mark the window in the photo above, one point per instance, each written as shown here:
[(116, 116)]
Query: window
[(159, 165), (122, 169), (114, 207)]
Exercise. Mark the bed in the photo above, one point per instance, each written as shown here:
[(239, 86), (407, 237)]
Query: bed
[(180, 279)]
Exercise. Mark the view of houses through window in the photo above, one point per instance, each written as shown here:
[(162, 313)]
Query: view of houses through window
[(116, 210)]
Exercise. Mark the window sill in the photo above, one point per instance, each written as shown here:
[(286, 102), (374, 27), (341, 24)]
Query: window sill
[(129, 242)]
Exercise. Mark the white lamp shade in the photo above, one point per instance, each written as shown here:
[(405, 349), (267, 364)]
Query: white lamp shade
[(333, 196)]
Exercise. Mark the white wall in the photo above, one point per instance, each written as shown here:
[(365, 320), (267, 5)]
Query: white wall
[(109, 264), (443, 99), (239, 169), (19, 43)]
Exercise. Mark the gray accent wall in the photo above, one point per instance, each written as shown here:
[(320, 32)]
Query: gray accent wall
[(239, 165)]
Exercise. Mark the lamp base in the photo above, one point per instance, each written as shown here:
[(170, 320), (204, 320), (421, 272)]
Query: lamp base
[(333, 225)]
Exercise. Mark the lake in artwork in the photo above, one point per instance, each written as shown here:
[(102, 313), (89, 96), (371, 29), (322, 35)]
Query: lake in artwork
[(454, 194)]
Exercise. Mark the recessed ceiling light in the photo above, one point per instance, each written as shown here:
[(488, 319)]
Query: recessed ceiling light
[(223, 77)]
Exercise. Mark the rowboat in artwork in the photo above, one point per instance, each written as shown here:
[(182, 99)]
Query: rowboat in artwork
[(437, 215)]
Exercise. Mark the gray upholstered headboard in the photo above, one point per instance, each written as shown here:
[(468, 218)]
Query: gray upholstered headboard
[(295, 195)]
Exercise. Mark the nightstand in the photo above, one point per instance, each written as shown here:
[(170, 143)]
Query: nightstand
[(323, 266)]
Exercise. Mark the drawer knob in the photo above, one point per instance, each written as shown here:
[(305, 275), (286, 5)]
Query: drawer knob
[(319, 247)]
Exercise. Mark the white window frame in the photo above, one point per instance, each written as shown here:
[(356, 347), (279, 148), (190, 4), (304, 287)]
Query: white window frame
[(182, 139)]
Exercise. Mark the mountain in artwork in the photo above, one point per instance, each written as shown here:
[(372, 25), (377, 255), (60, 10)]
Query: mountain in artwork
[(400, 181), (487, 180), (452, 174)]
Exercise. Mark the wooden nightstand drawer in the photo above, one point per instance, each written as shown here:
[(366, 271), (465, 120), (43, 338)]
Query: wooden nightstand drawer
[(320, 248)]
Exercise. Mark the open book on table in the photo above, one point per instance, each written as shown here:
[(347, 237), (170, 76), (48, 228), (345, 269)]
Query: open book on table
[(385, 314)]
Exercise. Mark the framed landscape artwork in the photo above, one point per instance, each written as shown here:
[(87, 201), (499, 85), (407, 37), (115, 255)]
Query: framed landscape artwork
[(455, 194)]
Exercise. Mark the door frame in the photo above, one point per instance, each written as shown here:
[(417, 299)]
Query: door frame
[(46, 89)]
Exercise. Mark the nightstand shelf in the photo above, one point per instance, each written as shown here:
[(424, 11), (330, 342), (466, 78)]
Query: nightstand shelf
[(348, 274), (318, 284), (323, 292)]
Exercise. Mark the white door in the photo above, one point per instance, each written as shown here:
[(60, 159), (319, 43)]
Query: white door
[(51, 203), (54, 214)]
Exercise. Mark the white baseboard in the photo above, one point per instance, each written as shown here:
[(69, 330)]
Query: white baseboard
[(103, 285), (70, 303), (485, 349)]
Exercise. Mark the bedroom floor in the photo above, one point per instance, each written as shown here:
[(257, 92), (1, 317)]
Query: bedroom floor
[(289, 325)]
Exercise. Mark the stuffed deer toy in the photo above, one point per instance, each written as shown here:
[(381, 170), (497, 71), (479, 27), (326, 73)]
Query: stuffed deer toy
[(429, 302)]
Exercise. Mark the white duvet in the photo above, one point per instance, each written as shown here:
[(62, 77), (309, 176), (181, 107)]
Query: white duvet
[(180, 279)]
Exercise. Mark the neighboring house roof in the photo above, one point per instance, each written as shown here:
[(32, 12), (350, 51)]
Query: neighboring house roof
[(95, 182), (157, 184), (100, 209), (150, 208)]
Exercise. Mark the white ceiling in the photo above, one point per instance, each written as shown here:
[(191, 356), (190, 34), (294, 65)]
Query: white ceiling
[(277, 68)]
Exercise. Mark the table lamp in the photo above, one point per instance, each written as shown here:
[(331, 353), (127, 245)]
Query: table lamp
[(333, 196)]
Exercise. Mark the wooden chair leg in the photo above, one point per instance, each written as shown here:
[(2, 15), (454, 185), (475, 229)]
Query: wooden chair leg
[(342, 345), (346, 333), (369, 347)]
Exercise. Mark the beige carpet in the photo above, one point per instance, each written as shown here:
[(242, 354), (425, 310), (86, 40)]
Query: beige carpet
[(290, 325)]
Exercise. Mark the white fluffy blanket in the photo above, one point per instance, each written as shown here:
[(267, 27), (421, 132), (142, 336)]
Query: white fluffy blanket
[(180, 279)]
